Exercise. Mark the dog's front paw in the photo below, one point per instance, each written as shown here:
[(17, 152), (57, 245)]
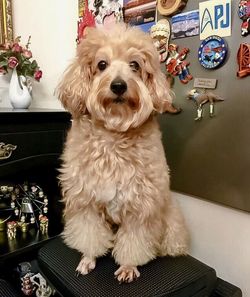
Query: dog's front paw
[(85, 266), (127, 273)]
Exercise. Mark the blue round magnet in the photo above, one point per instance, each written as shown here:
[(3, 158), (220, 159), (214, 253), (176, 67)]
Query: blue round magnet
[(212, 52)]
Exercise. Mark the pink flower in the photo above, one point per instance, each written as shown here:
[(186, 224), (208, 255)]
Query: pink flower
[(12, 62), (38, 74), (17, 48), (27, 54)]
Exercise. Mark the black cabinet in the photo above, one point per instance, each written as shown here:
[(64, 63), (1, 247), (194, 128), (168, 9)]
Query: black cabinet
[(36, 139)]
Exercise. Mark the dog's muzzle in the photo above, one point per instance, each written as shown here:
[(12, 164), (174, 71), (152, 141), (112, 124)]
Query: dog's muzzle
[(118, 86)]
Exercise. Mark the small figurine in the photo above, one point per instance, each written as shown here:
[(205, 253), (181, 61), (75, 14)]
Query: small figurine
[(23, 226), (27, 286), (200, 99), (176, 65), (44, 222), (160, 33), (6, 150), (11, 229), (244, 14), (243, 58)]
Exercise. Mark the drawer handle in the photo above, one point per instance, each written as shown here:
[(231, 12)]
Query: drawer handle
[(6, 150)]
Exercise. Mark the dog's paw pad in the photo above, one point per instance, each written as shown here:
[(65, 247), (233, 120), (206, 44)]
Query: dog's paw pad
[(127, 274), (85, 266)]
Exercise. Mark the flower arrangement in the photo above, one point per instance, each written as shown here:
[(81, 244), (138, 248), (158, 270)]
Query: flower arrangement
[(13, 55)]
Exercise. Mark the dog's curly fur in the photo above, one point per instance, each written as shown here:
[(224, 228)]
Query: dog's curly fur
[(114, 178)]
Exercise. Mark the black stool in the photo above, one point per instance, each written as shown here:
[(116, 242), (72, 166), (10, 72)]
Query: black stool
[(6, 290), (163, 277)]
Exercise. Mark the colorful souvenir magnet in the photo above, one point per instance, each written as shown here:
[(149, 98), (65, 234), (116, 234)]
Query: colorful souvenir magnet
[(212, 52), (243, 58), (87, 20), (244, 14), (200, 99), (169, 8), (160, 33), (176, 64)]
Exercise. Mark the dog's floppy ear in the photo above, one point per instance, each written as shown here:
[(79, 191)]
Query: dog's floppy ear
[(162, 94), (158, 84), (73, 89), (75, 84)]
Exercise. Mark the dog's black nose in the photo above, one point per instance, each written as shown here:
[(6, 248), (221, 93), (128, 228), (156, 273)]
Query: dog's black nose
[(118, 86)]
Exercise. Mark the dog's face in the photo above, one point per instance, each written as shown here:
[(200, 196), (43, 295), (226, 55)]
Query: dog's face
[(116, 78)]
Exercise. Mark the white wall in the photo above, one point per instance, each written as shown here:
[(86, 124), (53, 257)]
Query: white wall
[(52, 26), (220, 236)]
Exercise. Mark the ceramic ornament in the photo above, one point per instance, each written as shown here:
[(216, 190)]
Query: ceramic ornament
[(160, 33), (212, 52), (176, 64), (243, 58), (244, 14), (168, 8)]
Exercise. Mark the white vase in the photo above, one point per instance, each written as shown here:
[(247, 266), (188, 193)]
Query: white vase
[(19, 91)]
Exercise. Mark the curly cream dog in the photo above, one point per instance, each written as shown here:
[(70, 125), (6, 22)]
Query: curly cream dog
[(114, 178)]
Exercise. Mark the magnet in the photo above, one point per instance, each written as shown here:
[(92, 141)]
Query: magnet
[(212, 52), (243, 58), (160, 33), (176, 64), (244, 14), (202, 98)]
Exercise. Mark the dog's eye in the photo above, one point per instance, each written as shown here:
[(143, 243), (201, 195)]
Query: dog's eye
[(102, 65), (134, 66)]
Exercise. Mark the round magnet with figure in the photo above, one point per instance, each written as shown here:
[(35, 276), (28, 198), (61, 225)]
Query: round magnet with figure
[(212, 52)]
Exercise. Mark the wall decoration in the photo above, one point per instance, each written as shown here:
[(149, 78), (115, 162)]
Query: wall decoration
[(176, 64), (185, 24), (244, 14), (106, 12), (215, 18), (169, 8), (160, 33), (201, 98), (243, 58), (96, 13), (212, 52), (140, 13), (86, 19)]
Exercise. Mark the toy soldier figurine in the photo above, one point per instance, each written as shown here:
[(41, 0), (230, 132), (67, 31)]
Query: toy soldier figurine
[(11, 229), (44, 222)]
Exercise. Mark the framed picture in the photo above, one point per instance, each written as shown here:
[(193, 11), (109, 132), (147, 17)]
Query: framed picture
[(6, 25)]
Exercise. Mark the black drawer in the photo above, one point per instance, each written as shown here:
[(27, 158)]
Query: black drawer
[(30, 144)]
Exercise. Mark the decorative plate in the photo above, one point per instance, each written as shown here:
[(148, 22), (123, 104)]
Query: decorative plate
[(170, 7), (212, 52)]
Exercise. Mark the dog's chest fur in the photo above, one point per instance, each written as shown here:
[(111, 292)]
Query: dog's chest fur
[(112, 165)]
